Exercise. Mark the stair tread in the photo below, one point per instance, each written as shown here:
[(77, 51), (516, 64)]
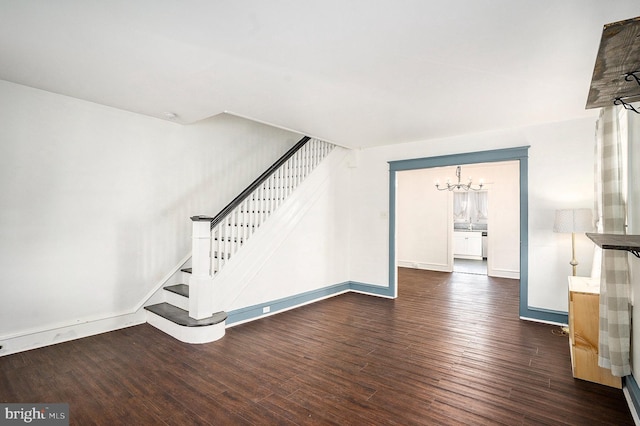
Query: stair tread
[(190, 270), (180, 289), (181, 317)]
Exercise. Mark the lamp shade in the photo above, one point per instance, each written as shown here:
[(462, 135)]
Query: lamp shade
[(573, 220)]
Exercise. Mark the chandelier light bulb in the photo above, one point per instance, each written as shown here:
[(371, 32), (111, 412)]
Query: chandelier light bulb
[(459, 185)]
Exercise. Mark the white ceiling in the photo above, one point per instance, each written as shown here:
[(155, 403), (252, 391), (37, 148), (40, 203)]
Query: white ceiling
[(354, 72)]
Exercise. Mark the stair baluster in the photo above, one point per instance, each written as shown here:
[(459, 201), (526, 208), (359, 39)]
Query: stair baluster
[(237, 222)]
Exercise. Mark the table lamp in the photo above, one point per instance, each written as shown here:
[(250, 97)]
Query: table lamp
[(573, 220)]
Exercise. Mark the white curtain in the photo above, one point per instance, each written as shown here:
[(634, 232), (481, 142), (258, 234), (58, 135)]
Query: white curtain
[(614, 337), (481, 205), (460, 204)]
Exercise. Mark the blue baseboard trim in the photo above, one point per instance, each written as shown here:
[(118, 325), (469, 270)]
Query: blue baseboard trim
[(545, 315), (279, 305), (371, 289), (630, 384), (256, 311)]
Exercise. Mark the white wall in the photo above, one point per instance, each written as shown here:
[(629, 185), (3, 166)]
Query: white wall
[(315, 253), (503, 188), (424, 221), (560, 176), (96, 201)]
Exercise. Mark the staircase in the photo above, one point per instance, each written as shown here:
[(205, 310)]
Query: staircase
[(191, 312), (172, 316)]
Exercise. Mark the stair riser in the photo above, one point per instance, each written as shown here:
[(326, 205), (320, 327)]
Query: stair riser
[(177, 300), (205, 334)]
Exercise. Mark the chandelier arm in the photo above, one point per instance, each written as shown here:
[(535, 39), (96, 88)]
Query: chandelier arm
[(462, 186)]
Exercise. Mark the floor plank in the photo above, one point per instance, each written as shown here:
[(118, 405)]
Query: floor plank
[(449, 350)]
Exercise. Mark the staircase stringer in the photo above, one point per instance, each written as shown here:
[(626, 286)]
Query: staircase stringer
[(155, 295)]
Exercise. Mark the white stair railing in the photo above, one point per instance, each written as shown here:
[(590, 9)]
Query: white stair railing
[(232, 231), (236, 223)]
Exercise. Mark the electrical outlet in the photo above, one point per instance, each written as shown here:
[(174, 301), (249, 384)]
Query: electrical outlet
[(266, 309)]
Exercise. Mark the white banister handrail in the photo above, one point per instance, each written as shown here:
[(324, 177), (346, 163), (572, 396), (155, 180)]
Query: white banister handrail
[(241, 222), (230, 229)]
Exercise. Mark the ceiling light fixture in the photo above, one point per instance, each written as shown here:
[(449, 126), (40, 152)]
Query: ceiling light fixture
[(459, 186)]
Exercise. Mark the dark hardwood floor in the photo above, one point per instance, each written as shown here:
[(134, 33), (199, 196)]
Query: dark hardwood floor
[(450, 350)]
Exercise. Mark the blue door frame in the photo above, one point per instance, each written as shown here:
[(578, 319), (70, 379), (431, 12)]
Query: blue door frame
[(519, 154)]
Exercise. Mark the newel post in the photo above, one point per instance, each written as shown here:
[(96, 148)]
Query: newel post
[(200, 282)]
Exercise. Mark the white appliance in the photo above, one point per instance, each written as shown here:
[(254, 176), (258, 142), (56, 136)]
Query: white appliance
[(485, 239)]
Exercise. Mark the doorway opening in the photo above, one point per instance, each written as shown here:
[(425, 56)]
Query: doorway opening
[(460, 231), (471, 225), (519, 154)]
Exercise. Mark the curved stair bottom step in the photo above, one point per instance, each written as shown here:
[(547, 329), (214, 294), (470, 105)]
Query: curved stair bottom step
[(207, 331)]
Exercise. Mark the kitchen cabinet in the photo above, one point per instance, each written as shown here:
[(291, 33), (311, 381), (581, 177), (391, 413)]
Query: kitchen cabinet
[(584, 300), (467, 245)]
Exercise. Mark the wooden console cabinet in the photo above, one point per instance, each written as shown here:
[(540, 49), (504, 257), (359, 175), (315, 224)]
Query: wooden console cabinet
[(584, 300)]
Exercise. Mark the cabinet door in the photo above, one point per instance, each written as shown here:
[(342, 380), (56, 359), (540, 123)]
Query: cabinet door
[(459, 244), (583, 337), (474, 245)]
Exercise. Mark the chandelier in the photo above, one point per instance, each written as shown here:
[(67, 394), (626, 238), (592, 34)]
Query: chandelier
[(459, 186)]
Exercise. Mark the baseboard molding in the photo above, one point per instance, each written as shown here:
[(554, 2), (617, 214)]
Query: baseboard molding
[(34, 339), (251, 313), (504, 273), (498, 273), (254, 312), (546, 316), (371, 290), (632, 395), (439, 267)]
